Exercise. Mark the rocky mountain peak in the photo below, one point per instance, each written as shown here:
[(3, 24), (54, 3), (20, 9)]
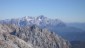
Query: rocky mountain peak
[(41, 17)]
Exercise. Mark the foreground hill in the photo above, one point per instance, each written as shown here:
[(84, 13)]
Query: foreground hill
[(12, 36)]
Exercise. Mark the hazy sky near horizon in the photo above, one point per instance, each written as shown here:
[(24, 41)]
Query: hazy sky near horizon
[(65, 10)]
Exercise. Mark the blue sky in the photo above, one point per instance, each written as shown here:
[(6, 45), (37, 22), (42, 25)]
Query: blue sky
[(65, 10)]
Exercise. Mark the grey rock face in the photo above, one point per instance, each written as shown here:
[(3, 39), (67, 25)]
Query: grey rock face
[(29, 37), (10, 41)]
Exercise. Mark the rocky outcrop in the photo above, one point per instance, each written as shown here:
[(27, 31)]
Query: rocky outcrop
[(7, 28), (12, 36), (10, 41)]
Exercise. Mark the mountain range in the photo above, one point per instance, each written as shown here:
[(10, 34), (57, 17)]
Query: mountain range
[(73, 32), (40, 21), (65, 30)]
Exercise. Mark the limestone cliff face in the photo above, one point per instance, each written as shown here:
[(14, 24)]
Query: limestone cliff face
[(12, 36)]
